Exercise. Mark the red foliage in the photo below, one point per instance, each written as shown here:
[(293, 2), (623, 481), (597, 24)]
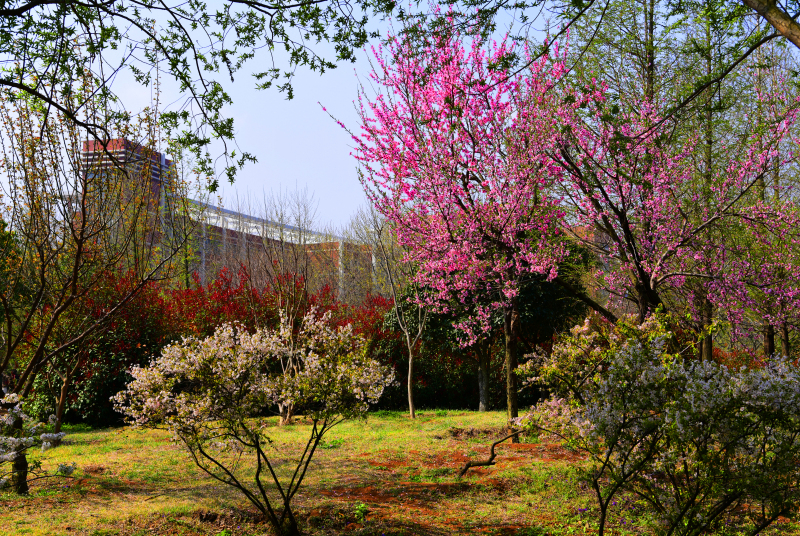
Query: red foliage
[(200, 309)]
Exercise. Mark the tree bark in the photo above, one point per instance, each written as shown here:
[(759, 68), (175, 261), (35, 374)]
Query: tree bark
[(19, 466), (62, 398), (511, 329), (286, 412), (484, 354), (411, 409), (786, 26), (62, 402), (769, 340), (708, 339), (786, 345)]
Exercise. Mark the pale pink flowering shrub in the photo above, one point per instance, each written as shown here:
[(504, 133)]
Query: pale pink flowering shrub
[(700, 443), (19, 433), (212, 395)]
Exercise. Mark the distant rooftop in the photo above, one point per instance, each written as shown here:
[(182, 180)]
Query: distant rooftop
[(255, 226)]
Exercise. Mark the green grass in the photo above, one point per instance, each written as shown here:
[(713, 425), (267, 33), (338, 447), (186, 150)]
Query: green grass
[(387, 475)]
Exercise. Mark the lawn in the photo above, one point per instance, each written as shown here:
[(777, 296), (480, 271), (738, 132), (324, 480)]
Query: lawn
[(387, 475)]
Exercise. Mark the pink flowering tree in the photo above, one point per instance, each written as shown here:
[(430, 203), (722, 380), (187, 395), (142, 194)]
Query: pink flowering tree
[(212, 395), (661, 231), (454, 153)]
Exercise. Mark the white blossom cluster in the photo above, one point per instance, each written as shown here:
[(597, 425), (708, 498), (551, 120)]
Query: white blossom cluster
[(234, 375), (212, 394), (16, 441), (694, 438)]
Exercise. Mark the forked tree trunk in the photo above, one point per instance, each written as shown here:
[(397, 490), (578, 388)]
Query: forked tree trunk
[(286, 413)]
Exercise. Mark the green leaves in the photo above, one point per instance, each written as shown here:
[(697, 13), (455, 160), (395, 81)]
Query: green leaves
[(48, 44)]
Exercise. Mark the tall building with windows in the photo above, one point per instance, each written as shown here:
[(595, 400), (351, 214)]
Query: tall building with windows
[(136, 159)]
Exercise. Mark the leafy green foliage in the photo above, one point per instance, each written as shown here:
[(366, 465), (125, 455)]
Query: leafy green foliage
[(48, 44)]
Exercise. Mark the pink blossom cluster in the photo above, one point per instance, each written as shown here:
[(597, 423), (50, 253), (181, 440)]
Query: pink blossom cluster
[(455, 154), (484, 171)]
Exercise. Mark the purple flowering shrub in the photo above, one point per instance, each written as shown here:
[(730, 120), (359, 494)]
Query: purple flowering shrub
[(702, 444), (212, 394)]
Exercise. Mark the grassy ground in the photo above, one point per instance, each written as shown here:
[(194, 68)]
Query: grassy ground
[(387, 476)]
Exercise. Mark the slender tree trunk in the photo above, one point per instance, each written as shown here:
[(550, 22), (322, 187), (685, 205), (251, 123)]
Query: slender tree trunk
[(708, 339), (511, 329), (484, 354), (786, 347), (62, 402), (769, 340), (411, 409), (62, 398), (19, 466)]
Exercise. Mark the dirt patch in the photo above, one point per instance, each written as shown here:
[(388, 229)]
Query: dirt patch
[(494, 432), (546, 452), (94, 469), (401, 493)]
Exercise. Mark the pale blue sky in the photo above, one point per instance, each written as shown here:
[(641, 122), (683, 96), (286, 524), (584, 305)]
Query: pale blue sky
[(296, 143)]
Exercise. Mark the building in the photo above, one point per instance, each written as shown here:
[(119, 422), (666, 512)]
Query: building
[(223, 238)]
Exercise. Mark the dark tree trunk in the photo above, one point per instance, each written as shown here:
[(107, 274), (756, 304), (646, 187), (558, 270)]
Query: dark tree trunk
[(484, 355), (787, 349), (411, 409), (708, 339), (511, 329), (769, 340), (648, 300), (19, 466), (62, 398)]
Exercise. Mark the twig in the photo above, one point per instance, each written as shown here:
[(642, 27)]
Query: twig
[(492, 455)]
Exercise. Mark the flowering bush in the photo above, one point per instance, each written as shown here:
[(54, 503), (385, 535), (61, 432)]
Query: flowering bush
[(699, 442), (18, 434), (212, 394)]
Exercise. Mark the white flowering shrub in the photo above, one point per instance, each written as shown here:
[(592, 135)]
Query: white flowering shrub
[(18, 434), (213, 395), (700, 443)]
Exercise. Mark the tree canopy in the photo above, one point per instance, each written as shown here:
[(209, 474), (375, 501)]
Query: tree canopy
[(45, 45)]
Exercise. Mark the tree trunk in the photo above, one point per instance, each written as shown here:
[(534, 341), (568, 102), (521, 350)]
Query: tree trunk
[(648, 300), (19, 466), (786, 347), (62, 398), (484, 355), (286, 412), (411, 409), (511, 329), (62, 403), (708, 339), (769, 340)]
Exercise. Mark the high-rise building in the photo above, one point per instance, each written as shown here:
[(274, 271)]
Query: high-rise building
[(133, 158)]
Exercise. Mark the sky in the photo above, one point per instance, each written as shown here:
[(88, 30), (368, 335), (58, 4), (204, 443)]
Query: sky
[(297, 144)]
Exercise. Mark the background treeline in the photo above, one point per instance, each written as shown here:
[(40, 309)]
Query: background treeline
[(446, 375)]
